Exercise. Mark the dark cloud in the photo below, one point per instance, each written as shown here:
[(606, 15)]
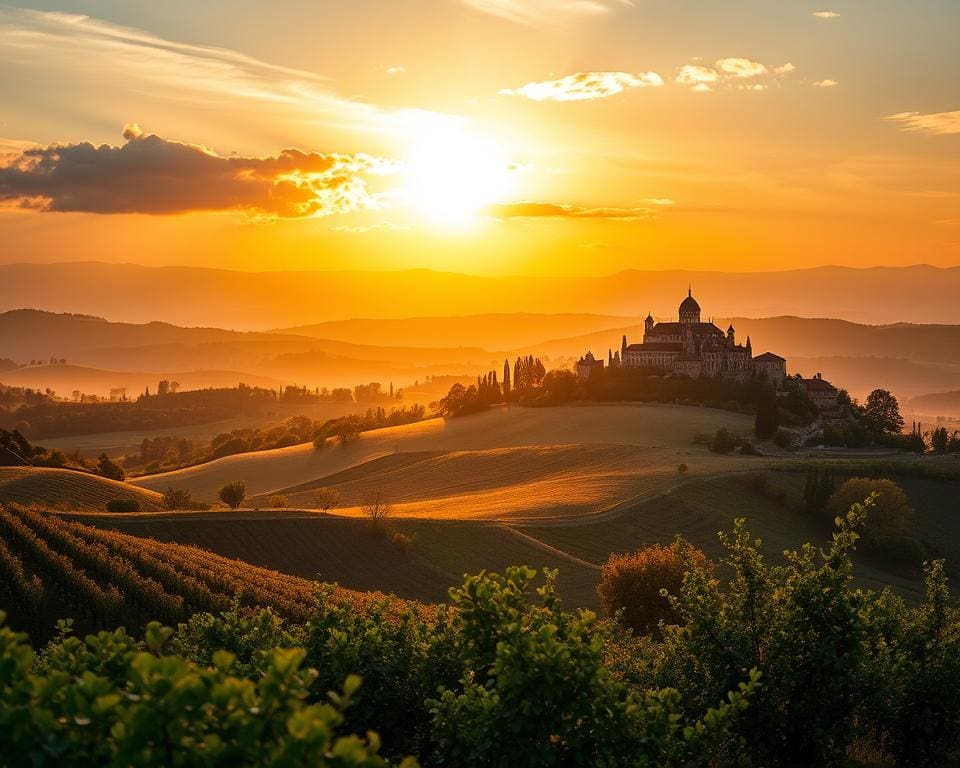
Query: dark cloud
[(151, 175), (535, 209)]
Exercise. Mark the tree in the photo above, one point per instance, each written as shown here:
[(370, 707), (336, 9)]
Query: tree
[(376, 509), (940, 440), (882, 412), (109, 469), (174, 498), (233, 494), (326, 498), (888, 515), (767, 421), (506, 379), (631, 583)]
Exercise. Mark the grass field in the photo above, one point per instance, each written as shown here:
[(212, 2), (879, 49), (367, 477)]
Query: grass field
[(343, 549), (508, 462), (66, 489)]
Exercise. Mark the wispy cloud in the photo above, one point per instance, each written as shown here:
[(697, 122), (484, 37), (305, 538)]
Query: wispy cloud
[(396, 69), (151, 175), (581, 86), (828, 83), (730, 72), (660, 201), (741, 67), (75, 48), (539, 13), (538, 209), (698, 77), (941, 123), (825, 14)]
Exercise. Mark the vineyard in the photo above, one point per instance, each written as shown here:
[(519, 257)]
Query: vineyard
[(52, 568)]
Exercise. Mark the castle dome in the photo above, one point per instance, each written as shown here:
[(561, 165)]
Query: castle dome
[(689, 304)]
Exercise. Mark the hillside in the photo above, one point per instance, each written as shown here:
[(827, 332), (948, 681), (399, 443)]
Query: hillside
[(67, 489), (938, 403), (64, 379), (248, 300), (55, 568), (440, 552), (578, 458)]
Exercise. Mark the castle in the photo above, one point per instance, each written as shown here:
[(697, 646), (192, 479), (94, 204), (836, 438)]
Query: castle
[(692, 348)]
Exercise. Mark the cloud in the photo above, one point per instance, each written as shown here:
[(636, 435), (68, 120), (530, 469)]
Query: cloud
[(697, 76), (380, 226), (151, 175), (825, 14), (660, 201), (396, 70), (784, 69), (828, 83), (536, 209), (740, 67), (581, 86), (940, 123), (92, 58), (538, 13)]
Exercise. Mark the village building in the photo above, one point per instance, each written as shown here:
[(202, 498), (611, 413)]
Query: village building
[(820, 392), (770, 367), (586, 365)]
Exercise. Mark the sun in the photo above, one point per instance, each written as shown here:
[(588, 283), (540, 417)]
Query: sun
[(452, 172)]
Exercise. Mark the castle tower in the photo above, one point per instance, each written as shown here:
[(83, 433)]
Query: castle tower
[(689, 310), (730, 334), (623, 348)]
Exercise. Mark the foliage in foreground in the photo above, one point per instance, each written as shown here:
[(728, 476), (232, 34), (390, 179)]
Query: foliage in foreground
[(110, 700), (840, 666), (501, 679)]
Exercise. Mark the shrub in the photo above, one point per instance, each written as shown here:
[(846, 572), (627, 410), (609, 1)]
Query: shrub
[(723, 441), (749, 449), (176, 499), (233, 494), (681, 468), (534, 691), (109, 700), (783, 439), (277, 501), (326, 498), (402, 541), (802, 626), (889, 513), (376, 509), (630, 585), (123, 505)]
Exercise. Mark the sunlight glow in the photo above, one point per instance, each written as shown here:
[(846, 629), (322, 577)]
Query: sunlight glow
[(453, 171)]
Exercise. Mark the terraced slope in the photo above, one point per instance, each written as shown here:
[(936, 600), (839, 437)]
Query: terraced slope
[(66, 489)]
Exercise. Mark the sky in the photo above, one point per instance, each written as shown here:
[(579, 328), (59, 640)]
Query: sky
[(559, 137)]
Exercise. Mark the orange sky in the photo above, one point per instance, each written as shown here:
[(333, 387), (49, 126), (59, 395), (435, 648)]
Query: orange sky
[(487, 136)]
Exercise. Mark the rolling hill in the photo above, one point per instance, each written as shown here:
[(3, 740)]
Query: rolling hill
[(67, 489), (508, 461)]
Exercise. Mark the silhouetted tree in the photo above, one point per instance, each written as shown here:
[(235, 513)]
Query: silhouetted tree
[(108, 468), (233, 494), (506, 379), (767, 421), (882, 412)]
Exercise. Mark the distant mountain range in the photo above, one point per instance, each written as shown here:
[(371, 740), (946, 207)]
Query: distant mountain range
[(248, 300), (908, 359)]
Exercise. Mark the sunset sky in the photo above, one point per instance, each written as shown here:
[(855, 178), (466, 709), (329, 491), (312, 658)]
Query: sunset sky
[(483, 136)]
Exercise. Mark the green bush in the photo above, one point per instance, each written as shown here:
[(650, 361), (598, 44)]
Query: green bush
[(534, 691), (108, 700), (123, 505), (724, 441)]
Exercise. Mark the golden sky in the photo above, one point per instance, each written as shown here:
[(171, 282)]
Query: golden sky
[(484, 136)]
